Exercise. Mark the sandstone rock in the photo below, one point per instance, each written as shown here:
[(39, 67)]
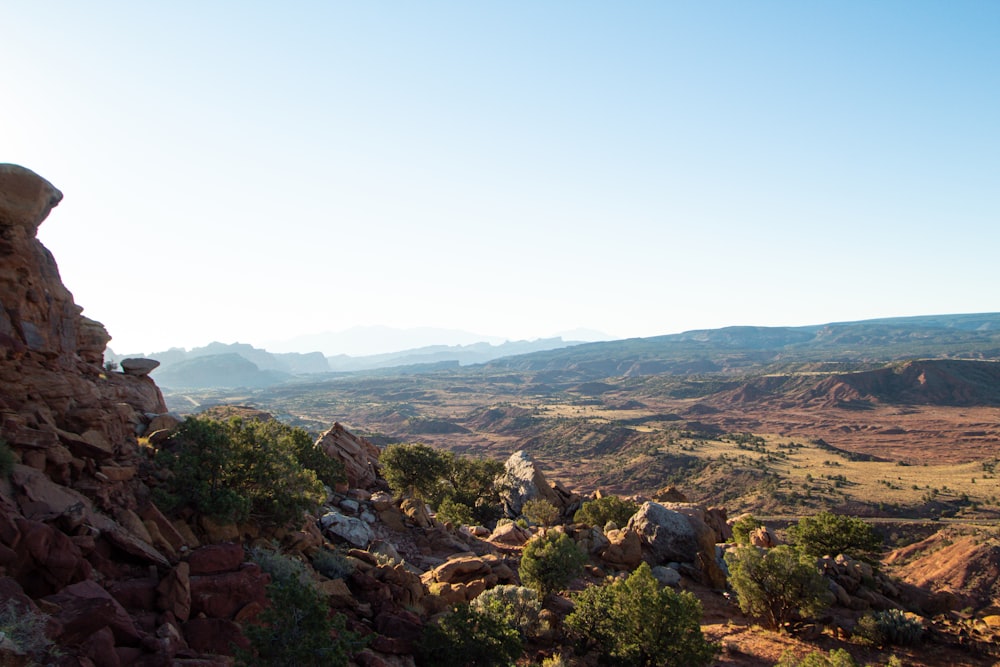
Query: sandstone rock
[(510, 534), (218, 532), (25, 198), (360, 457), (381, 501), (624, 550), (338, 594), (139, 367), (416, 511), (214, 635), (47, 560), (763, 537), (523, 481), (174, 592), (100, 647), (347, 528), (667, 576), (216, 558), (666, 534), (85, 607), (670, 494), (38, 496), (223, 595)]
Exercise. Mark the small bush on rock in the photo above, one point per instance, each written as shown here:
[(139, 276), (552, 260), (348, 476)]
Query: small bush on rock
[(744, 526), (550, 562), (468, 638), (331, 564), (891, 626), (25, 631), (776, 585), (602, 510), (636, 622)]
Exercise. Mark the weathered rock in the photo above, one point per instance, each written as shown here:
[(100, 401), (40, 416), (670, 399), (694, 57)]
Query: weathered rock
[(666, 534), (85, 607), (25, 198), (360, 457), (214, 635), (763, 537), (223, 595), (174, 592), (417, 513), (624, 550), (216, 558), (667, 576), (510, 534), (523, 481), (47, 560), (139, 367), (347, 528)]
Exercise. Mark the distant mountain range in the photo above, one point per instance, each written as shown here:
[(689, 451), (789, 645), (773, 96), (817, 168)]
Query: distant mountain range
[(729, 350), (240, 365)]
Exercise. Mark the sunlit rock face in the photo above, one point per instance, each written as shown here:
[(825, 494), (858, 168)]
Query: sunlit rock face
[(55, 394)]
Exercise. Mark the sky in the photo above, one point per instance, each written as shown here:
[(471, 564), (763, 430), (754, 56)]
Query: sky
[(257, 171)]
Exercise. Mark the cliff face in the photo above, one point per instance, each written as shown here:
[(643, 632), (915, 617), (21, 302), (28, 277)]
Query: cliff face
[(54, 392)]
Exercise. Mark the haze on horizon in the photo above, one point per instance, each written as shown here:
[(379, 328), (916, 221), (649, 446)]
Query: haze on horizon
[(254, 172)]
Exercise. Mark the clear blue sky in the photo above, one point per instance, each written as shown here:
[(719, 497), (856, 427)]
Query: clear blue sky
[(252, 171)]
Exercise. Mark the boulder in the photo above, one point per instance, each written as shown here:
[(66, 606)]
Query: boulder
[(624, 550), (523, 481), (214, 635), (223, 595), (510, 534), (174, 592), (666, 534), (84, 608), (25, 198), (216, 558), (360, 457), (416, 512), (347, 528), (138, 366)]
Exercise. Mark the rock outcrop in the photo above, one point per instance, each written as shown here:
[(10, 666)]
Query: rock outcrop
[(360, 457), (524, 481), (677, 532)]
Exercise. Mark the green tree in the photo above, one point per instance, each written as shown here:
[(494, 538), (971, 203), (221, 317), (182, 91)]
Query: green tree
[(828, 534), (236, 469), (777, 584), (455, 513), (600, 511), (468, 638), (550, 562), (540, 512), (637, 622), (413, 470)]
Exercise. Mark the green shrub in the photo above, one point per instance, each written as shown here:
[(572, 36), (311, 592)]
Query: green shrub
[(828, 534), (455, 513), (637, 622), (550, 562), (25, 629), (889, 627), (7, 459), (540, 512), (296, 629), (517, 606), (419, 471), (776, 585), (743, 526), (600, 511), (413, 470), (238, 469), (468, 638), (331, 564), (838, 657)]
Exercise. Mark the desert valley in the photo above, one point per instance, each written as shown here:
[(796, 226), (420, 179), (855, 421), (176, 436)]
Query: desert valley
[(601, 503)]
